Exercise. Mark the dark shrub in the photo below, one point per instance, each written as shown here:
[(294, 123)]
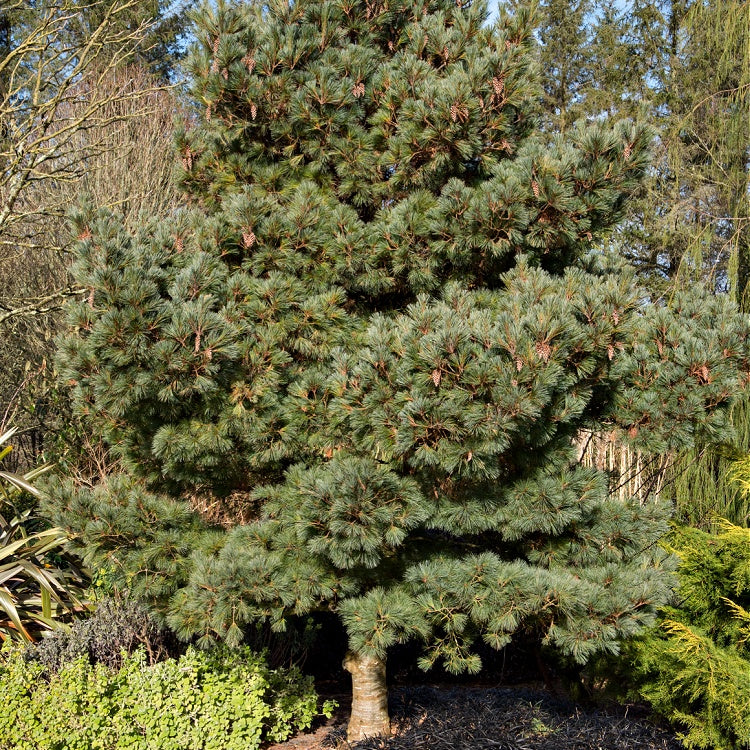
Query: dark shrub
[(117, 627)]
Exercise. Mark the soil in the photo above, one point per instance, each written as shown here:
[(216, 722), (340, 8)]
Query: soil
[(494, 718)]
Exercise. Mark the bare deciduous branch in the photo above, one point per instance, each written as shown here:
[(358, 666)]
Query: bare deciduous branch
[(75, 118), (39, 305), (54, 94)]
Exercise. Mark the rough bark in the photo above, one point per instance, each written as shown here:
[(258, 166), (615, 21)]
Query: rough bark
[(369, 697)]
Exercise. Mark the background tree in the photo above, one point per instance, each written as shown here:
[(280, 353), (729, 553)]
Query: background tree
[(686, 66), (78, 117), (707, 145), (165, 42), (379, 330), (566, 37)]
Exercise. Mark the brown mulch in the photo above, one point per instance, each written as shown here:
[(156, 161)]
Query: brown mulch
[(461, 718)]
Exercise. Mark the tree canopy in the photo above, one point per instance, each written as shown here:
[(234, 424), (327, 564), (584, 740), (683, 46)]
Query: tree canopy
[(374, 339)]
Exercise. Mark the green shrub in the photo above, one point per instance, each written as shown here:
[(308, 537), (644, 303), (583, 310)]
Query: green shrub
[(219, 700), (117, 628), (694, 667)]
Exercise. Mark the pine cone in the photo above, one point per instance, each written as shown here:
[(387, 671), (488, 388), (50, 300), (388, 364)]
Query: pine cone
[(248, 238), (459, 112), (543, 350), (249, 62)]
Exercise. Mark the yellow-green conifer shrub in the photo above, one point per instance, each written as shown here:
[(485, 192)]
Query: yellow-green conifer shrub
[(694, 667)]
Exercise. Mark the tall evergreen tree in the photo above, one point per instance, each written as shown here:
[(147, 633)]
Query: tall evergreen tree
[(566, 40), (375, 336), (686, 63)]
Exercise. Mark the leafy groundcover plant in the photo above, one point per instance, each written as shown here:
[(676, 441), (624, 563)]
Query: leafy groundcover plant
[(218, 700)]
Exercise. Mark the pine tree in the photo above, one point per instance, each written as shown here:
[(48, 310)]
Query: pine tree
[(374, 338)]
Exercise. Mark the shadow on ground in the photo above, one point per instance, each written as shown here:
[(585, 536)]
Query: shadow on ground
[(490, 718)]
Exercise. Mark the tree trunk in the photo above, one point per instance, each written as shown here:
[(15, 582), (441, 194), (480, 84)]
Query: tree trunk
[(369, 697)]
